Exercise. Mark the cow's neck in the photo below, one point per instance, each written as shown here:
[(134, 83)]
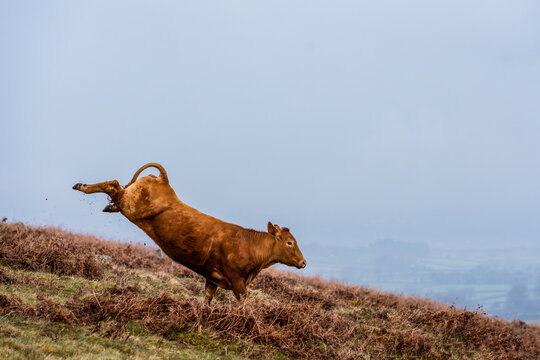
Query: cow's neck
[(265, 250)]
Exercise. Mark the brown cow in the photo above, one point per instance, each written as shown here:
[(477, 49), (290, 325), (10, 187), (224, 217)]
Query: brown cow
[(227, 255)]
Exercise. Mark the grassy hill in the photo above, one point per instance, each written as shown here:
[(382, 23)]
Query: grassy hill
[(64, 295)]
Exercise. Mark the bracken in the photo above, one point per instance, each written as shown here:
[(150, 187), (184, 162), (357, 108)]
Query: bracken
[(302, 316)]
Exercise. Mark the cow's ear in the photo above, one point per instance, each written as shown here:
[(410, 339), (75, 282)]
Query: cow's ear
[(271, 228)]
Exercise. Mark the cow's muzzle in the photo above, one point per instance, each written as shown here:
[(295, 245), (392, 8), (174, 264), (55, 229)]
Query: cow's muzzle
[(302, 264)]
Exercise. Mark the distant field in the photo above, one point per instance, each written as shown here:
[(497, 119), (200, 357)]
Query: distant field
[(465, 278), (58, 300)]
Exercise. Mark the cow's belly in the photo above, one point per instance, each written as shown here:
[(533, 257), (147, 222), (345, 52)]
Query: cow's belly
[(181, 241), (185, 250), (189, 243)]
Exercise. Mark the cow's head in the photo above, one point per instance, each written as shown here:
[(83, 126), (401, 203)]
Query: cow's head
[(286, 249)]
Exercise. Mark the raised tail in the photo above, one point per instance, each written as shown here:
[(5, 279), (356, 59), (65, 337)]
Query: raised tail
[(162, 173)]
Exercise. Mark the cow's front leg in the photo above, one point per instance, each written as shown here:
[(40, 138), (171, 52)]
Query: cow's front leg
[(111, 188), (209, 291), (240, 290)]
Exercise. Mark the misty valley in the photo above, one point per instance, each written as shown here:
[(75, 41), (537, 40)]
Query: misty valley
[(502, 282)]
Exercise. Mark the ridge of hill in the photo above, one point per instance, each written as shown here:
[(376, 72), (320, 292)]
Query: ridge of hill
[(65, 295)]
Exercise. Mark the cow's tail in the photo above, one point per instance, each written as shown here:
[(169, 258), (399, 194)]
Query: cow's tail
[(162, 173)]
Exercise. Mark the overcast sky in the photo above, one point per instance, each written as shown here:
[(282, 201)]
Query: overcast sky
[(347, 121)]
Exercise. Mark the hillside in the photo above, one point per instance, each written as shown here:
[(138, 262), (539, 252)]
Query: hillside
[(59, 300)]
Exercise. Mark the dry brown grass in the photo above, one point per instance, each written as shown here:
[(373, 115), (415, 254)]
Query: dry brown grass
[(302, 316), (63, 253)]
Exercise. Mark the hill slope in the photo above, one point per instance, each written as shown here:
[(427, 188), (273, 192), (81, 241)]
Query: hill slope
[(58, 299)]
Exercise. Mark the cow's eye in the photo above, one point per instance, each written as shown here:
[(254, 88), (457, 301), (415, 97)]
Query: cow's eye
[(289, 243)]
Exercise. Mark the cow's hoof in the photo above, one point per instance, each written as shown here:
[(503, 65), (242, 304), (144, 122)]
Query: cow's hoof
[(111, 208), (77, 186)]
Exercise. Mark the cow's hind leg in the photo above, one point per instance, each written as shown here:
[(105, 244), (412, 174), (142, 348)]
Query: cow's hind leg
[(111, 188), (209, 291), (107, 187)]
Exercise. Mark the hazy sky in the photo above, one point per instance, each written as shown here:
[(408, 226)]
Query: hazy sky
[(347, 121)]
